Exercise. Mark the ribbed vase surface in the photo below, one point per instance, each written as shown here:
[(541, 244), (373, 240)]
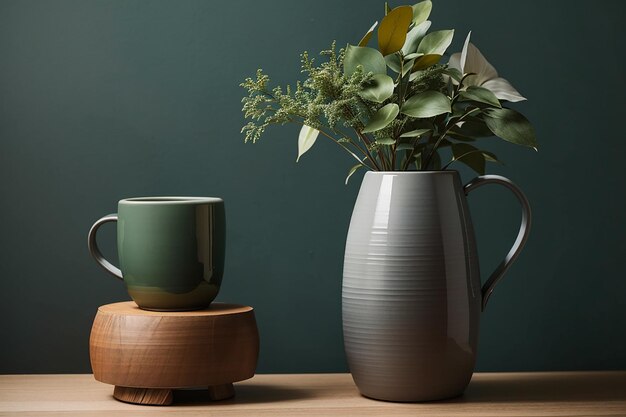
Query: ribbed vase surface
[(411, 287)]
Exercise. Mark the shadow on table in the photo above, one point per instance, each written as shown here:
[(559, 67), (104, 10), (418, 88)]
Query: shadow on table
[(549, 388), (249, 393)]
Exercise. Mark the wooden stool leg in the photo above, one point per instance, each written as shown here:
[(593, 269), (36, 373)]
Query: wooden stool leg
[(221, 392), (147, 396)]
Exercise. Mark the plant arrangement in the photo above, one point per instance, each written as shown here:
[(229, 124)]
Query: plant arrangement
[(395, 107)]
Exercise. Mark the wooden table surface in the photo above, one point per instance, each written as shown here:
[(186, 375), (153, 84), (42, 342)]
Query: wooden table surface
[(489, 394)]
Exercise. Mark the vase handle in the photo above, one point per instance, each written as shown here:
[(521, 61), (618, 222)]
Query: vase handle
[(522, 235)]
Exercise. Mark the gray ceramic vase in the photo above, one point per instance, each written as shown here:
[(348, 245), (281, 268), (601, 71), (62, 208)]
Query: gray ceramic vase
[(412, 294)]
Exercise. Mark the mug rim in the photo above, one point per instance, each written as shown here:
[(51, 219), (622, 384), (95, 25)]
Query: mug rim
[(170, 200), (425, 172)]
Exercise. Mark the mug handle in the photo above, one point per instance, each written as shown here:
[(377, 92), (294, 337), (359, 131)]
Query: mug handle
[(522, 235), (95, 251)]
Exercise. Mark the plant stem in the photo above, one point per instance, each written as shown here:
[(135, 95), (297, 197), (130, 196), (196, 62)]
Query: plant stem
[(366, 141), (356, 144), (443, 135), (350, 115), (366, 154), (400, 103), (408, 160), (345, 148), (460, 157), (361, 161)]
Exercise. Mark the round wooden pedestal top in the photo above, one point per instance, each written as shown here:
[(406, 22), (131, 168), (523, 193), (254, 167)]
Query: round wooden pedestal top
[(215, 309), (131, 347)]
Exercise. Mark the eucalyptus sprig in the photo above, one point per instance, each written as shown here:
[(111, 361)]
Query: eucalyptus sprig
[(395, 107)]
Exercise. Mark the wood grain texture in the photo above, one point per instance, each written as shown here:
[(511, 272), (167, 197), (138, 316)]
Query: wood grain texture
[(130, 347), (221, 392), (150, 396), (571, 394)]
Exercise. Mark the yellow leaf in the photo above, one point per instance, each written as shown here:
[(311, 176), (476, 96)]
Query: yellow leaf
[(425, 61), (393, 29), (366, 38)]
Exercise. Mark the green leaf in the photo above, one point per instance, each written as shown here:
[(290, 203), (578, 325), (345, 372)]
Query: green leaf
[(454, 73), (386, 141), (436, 43), (481, 95), (366, 38), (394, 62), (306, 139), (387, 8), (404, 147), (415, 133), (414, 37), (369, 58), (459, 112), (379, 89), (489, 157), (412, 56), (427, 104), (421, 11), (382, 118), (511, 126), (393, 29), (470, 156), (407, 67), (472, 128), (352, 171), (461, 137)]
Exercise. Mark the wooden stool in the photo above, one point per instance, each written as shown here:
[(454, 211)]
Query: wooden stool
[(147, 354)]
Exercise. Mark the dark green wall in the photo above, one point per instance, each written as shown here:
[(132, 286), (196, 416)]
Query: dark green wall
[(101, 100)]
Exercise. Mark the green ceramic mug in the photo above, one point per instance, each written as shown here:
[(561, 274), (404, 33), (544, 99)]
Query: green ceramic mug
[(171, 250)]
